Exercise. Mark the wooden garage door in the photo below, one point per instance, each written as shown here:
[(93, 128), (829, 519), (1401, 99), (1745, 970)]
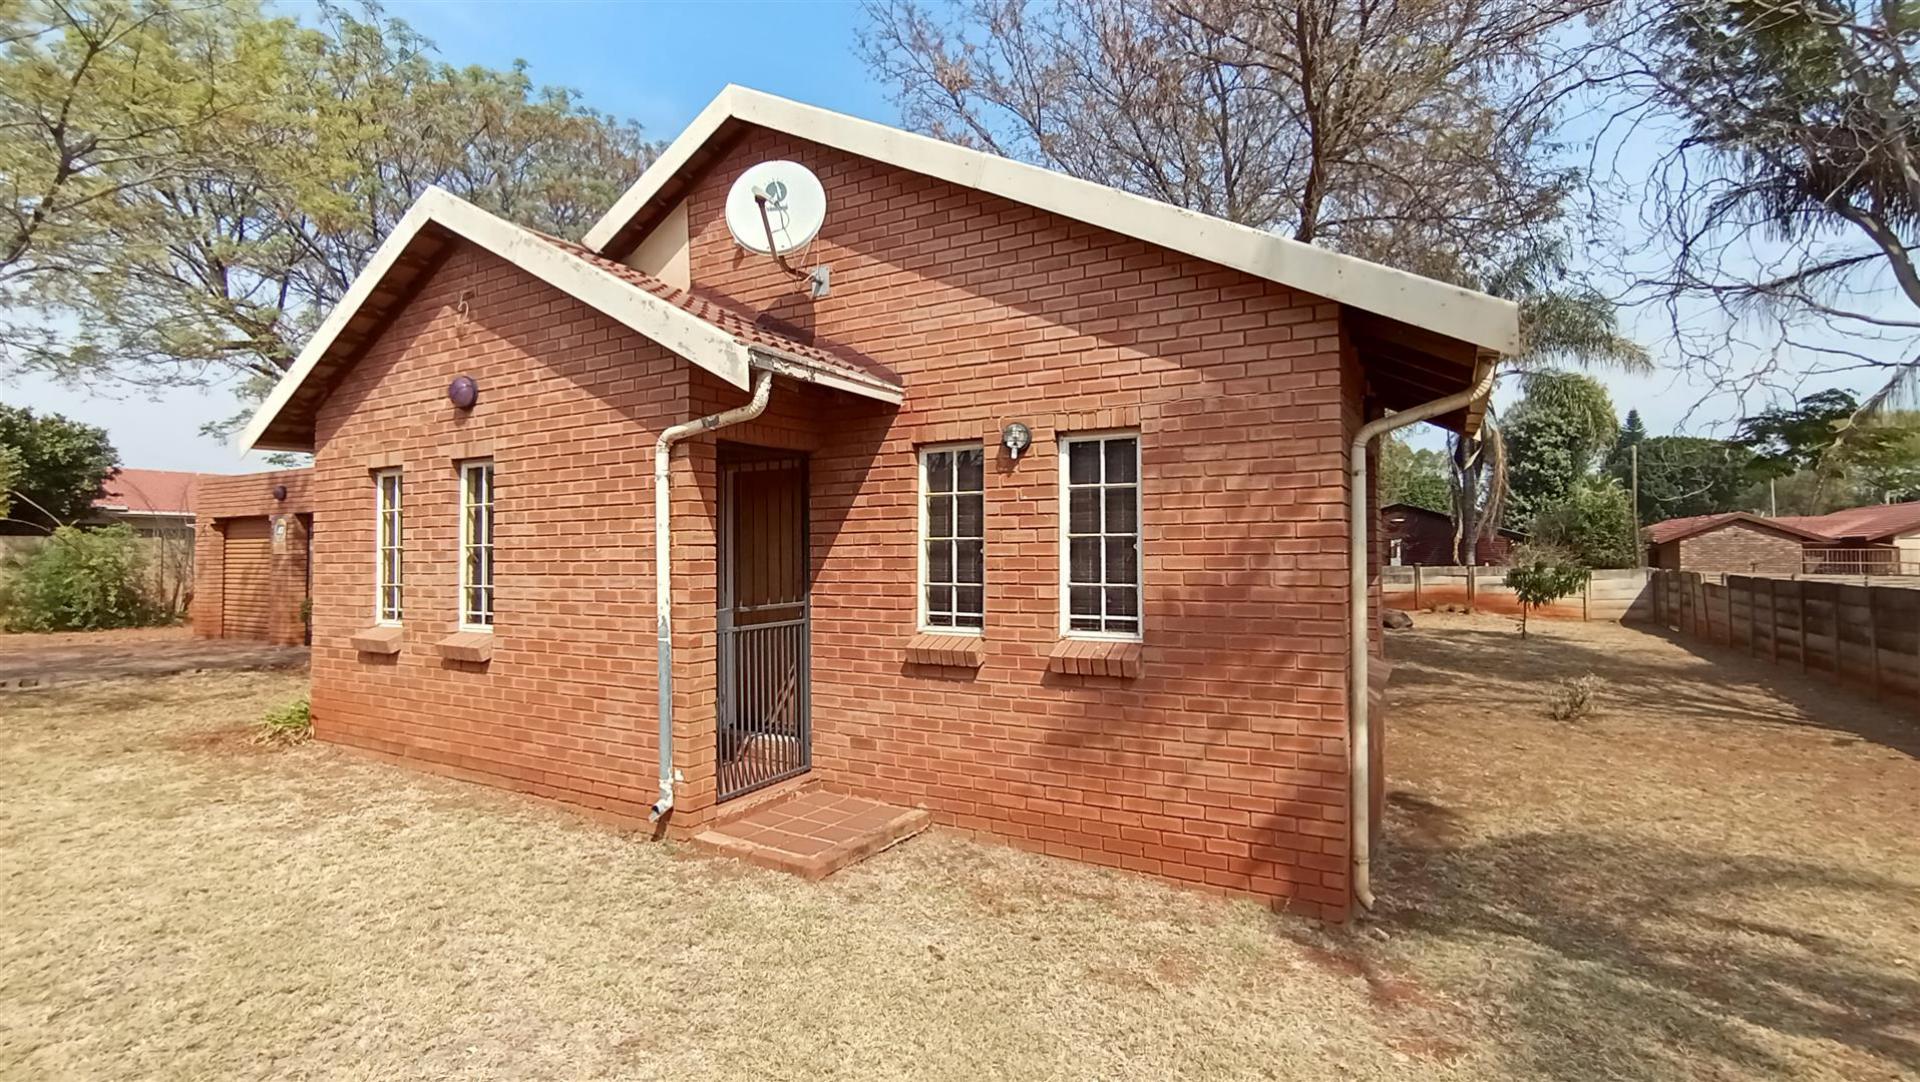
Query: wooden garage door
[(246, 577)]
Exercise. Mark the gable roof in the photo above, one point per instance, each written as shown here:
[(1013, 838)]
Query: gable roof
[(686, 325), (148, 492), (1675, 529), (1424, 338), (1875, 522)]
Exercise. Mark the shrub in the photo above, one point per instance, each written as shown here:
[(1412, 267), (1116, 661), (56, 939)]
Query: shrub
[(80, 580), (1572, 697), (286, 725)]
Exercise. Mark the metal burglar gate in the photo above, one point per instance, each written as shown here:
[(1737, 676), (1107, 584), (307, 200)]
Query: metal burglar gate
[(763, 733)]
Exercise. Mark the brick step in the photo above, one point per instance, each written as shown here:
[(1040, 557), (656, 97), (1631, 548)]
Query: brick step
[(813, 833)]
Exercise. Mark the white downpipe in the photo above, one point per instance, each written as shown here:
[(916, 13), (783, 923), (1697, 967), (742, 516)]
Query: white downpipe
[(663, 565), (1360, 629)]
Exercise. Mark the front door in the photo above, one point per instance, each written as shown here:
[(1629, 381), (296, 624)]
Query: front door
[(763, 732)]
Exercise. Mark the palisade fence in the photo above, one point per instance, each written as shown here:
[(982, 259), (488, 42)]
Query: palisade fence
[(1608, 595), (1859, 636)]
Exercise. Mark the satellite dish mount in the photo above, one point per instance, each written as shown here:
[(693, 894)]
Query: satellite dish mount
[(778, 207)]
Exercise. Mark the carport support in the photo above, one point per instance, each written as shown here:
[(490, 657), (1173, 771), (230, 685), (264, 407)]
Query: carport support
[(1360, 744)]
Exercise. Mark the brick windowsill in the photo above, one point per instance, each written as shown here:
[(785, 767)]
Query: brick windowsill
[(378, 640), (1095, 657), (955, 651), (474, 646)]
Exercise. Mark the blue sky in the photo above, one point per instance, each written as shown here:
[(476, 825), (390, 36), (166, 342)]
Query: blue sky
[(657, 63)]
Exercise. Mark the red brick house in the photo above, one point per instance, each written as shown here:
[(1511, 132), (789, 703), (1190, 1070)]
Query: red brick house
[(1419, 536), (1042, 518), (1736, 542)]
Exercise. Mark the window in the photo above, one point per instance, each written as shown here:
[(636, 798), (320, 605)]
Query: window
[(953, 538), (476, 546), (386, 604), (1100, 544)]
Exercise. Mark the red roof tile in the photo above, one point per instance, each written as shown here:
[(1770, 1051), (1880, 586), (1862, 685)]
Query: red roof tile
[(1875, 522), (1674, 529), (757, 331), (149, 492)]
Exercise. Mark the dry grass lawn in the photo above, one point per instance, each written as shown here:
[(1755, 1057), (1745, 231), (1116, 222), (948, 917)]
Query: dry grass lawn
[(1705, 882), (1716, 877)]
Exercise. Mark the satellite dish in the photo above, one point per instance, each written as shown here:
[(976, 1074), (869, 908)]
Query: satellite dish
[(796, 205)]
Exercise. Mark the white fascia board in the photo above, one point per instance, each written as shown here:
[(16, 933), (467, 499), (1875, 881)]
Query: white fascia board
[(652, 317), (803, 371), (1483, 320)]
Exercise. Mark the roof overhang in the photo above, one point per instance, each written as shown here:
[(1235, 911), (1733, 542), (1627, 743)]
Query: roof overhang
[(1480, 324), (421, 241)]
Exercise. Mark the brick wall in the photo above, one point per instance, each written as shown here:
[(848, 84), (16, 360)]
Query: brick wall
[(220, 499), (1224, 763), (1736, 547)]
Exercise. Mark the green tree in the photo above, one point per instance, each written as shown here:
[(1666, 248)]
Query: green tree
[(1593, 522), (1538, 583), (1633, 432), (1555, 437), (12, 470), (1795, 124), (222, 266), (1687, 475), (1413, 475), (59, 467), (99, 101)]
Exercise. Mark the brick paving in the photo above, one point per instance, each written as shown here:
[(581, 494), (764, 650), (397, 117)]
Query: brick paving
[(35, 661)]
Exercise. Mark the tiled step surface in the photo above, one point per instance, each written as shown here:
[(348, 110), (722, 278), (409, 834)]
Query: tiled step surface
[(813, 833)]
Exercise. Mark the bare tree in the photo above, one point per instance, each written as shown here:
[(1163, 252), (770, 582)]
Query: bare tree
[(1416, 134)]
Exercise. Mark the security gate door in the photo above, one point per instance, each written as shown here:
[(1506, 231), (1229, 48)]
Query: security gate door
[(763, 732)]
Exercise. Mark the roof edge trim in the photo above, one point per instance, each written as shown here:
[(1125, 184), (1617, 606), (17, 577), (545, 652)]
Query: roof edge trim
[(1486, 321), (679, 331)]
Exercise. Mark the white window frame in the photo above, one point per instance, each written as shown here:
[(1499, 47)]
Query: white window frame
[(1064, 450), (467, 542), (920, 540), (381, 510)]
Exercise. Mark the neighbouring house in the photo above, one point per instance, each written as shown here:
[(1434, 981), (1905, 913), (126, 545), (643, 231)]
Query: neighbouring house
[(1006, 495), (1879, 538), (251, 557), (1417, 536), (1737, 541), (154, 503)]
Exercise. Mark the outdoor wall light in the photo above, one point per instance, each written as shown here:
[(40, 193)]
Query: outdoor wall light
[(463, 392), (1016, 437), (279, 493)]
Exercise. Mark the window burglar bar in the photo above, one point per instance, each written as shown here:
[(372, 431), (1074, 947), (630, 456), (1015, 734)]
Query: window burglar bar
[(387, 607), (953, 528), (476, 545), (1101, 493)]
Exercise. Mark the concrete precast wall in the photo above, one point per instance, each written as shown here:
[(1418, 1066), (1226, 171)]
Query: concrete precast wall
[(1614, 596), (1862, 637)]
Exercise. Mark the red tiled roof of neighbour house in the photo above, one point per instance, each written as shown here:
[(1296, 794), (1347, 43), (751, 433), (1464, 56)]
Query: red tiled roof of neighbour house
[(1674, 529), (148, 492), (1875, 522), (757, 331)]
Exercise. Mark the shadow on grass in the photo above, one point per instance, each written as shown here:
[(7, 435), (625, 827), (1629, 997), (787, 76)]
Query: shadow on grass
[(1630, 958), (1442, 663)]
